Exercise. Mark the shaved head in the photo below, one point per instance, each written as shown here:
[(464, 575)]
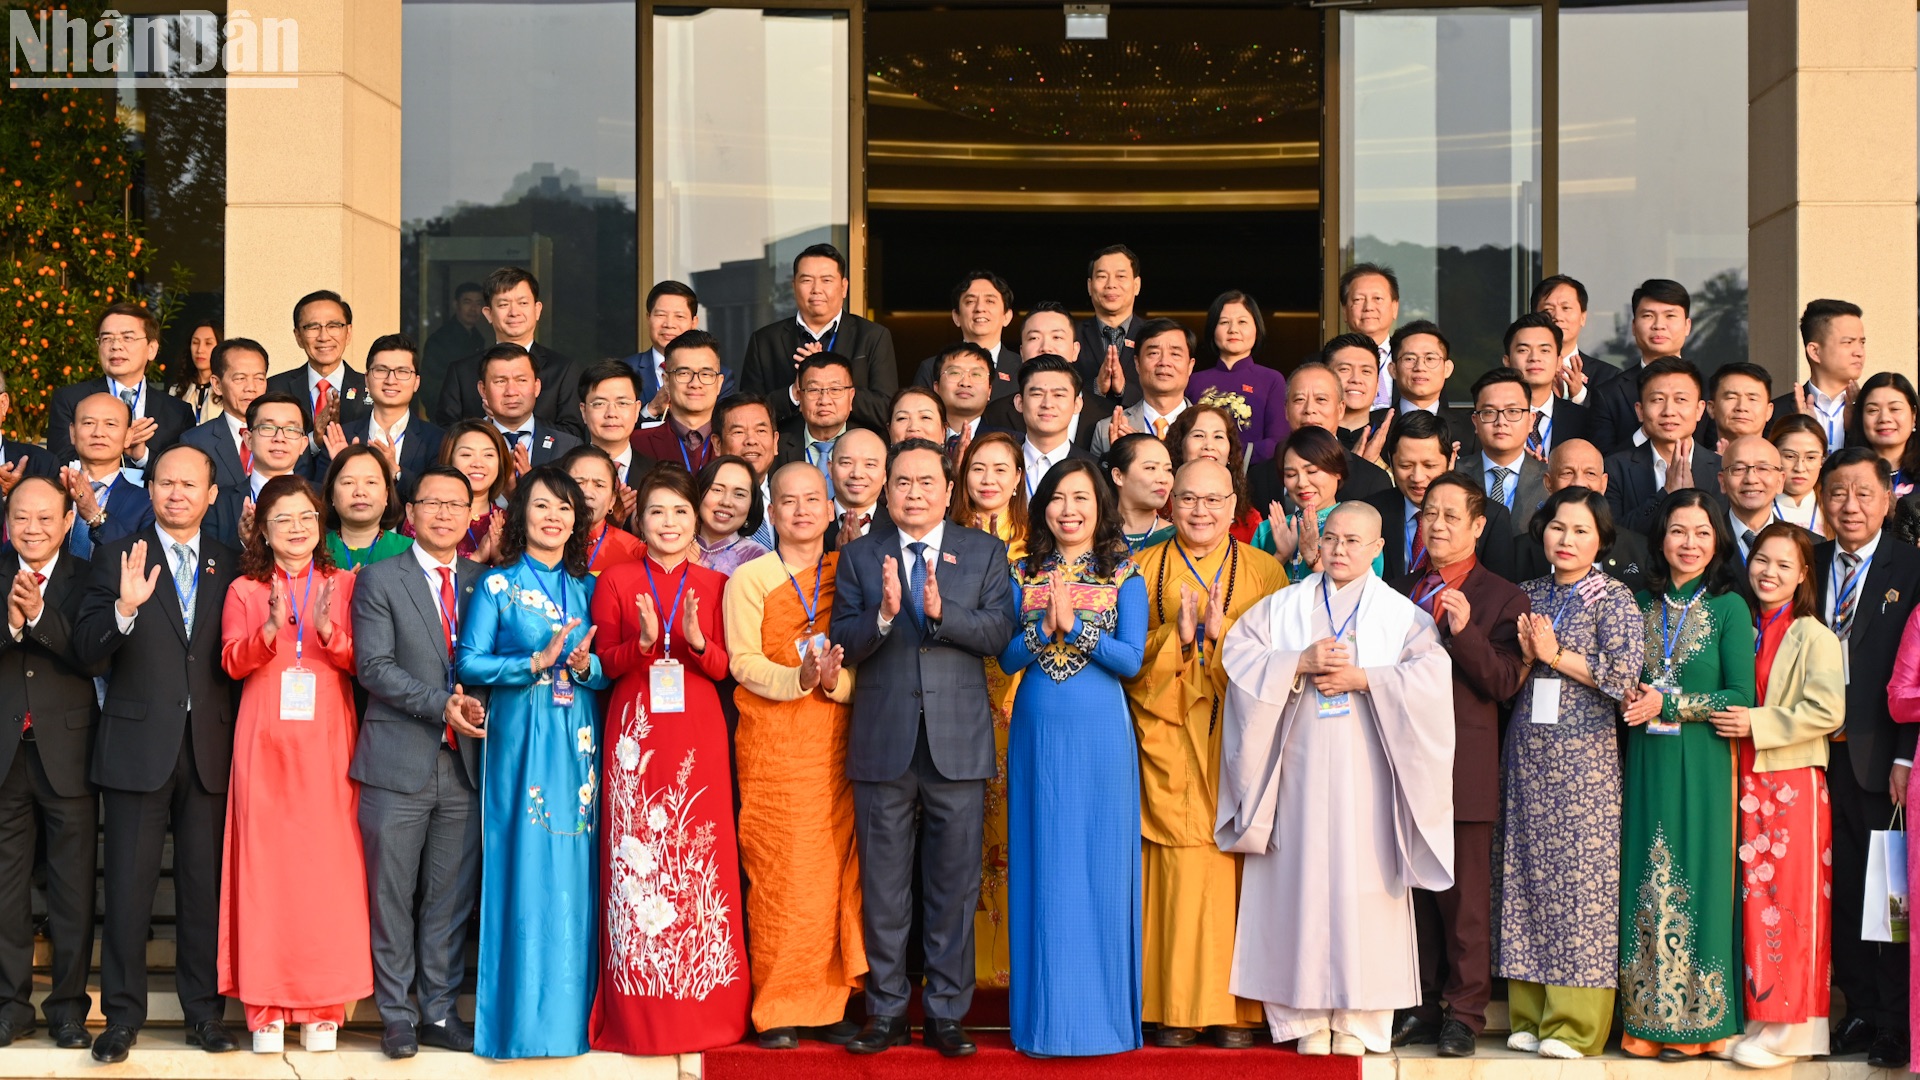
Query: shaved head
[(1364, 518), (796, 472), (1349, 542), (1576, 462), (1204, 476)]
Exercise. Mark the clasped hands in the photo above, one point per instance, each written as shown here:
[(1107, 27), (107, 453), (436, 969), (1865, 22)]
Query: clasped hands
[(890, 593), (1330, 663)]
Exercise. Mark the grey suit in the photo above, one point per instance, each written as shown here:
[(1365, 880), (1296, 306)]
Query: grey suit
[(1136, 415), (1527, 496), (921, 740), (419, 797)]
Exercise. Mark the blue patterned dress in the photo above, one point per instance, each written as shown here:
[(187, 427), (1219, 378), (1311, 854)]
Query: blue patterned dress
[(539, 802), (1073, 818)]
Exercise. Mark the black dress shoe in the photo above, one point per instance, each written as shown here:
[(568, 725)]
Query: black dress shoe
[(399, 1041), (946, 1036), (1889, 1051), (1456, 1039), (454, 1034), (71, 1035), (211, 1036), (1853, 1036), (1414, 1028), (1670, 1055), (111, 1047), (9, 1032), (837, 1033), (780, 1038), (1175, 1036), (879, 1033), (1232, 1038)]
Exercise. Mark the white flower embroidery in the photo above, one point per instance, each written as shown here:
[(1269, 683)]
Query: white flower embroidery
[(496, 585), (657, 819), (1770, 916), (1748, 804), (584, 738), (627, 751), (656, 915)]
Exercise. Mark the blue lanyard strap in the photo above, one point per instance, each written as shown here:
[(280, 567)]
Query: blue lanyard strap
[(594, 555), (813, 609), (1326, 599), (1573, 589), (1671, 637), (1421, 600), (1766, 624), (666, 625), (1840, 597), (1201, 630), (300, 613)]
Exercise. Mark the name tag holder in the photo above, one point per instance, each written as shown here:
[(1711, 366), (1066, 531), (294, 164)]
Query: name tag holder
[(1546, 701), (299, 689), (667, 686), (1666, 688)]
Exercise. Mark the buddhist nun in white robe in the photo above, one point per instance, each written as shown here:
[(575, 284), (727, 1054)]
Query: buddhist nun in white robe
[(1336, 783)]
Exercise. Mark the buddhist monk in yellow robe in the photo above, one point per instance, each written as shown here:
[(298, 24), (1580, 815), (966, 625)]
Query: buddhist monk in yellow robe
[(805, 948), (1198, 583)]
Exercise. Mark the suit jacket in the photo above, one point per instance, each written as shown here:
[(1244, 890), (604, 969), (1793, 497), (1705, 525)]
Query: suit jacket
[(882, 522), (1632, 494), (934, 676), (400, 655), (549, 443), (39, 461), (558, 403), (768, 368), (1806, 700), (1626, 562), (1093, 355), (1572, 420), (419, 450), (1610, 407), (1093, 408), (792, 443), (171, 416), (1136, 415), (161, 679), (1488, 671), (1006, 372), (1364, 479), (1459, 424), (1885, 602), (1494, 549), (39, 675), (659, 443), (216, 438), (129, 510), (1527, 496), (349, 386)]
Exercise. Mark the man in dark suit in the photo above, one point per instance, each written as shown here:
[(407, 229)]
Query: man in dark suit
[(459, 335), (1477, 613), (982, 311), (1110, 336), (1577, 374), (1662, 320), (673, 308), (1739, 405), (1509, 476), (967, 380), (920, 606), (1050, 404), (1575, 462), (129, 338), (239, 367), (693, 388), (277, 446), (1532, 348), (46, 740), (1422, 364), (108, 500), (1314, 399), (1049, 331), (513, 309), (1418, 453), (510, 387), (1869, 583), (822, 324), (858, 471), (418, 765), (152, 610), (412, 445), (610, 404), (827, 396), (328, 389), (1671, 406), (18, 459), (1833, 335)]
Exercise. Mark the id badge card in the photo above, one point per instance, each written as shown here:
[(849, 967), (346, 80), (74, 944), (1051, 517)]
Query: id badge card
[(1329, 707), (1657, 726), (562, 688), (816, 642), (666, 686), (1546, 701), (298, 689)]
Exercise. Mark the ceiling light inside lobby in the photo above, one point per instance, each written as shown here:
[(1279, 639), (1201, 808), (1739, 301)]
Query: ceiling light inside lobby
[(1087, 22)]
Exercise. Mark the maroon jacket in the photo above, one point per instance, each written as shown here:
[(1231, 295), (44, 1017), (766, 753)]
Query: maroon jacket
[(660, 443)]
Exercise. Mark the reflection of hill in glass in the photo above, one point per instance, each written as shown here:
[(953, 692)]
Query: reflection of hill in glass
[(1719, 324), (1477, 297)]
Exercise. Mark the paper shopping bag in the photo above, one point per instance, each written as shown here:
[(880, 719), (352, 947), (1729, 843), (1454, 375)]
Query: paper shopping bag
[(1883, 914)]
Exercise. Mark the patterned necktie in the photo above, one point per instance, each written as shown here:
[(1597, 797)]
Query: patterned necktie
[(1498, 491), (917, 583), (447, 616), (130, 396), (1747, 537), (1534, 442), (246, 452), (513, 439), (26, 720), (1419, 560), (185, 585), (1845, 602), (822, 448)]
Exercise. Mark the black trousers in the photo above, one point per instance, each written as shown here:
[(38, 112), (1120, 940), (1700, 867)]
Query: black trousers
[(71, 825), (136, 836), (944, 820), (1455, 932), (1872, 974)]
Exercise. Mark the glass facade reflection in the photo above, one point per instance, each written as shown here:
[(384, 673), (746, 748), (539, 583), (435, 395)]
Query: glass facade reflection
[(1653, 166), (750, 155)]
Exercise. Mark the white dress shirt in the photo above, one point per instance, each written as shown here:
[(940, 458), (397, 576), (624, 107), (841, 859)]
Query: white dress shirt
[(931, 555), (46, 575), (125, 622), (1566, 368), (1039, 463), (1660, 463)]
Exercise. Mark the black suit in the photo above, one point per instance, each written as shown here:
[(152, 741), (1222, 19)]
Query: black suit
[(1001, 415), (1093, 355), (171, 416), (1570, 421), (881, 522), (1872, 975), (1598, 372), (1005, 377), (1633, 492), (39, 461), (1611, 407), (1493, 549), (868, 346), (43, 774), (215, 437), (349, 388), (920, 751), (1459, 424), (162, 758), (1364, 479), (558, 403), (419, 450), (547, 444), (1626, 562)]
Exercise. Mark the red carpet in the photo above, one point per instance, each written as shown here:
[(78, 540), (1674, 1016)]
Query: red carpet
[(997, 1058)]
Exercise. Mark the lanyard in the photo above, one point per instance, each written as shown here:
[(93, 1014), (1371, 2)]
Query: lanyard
[(1421, 601), (684, 458), (1671, 637), (299, 614), (449, 617), (827, 346), (666, 628), (1217, 571), (812, 611), (539, 582), (1573, 589), (1835, 430), (1766, 624), (594, 555), (1545, 434), (1326, 598), (1839, 597)]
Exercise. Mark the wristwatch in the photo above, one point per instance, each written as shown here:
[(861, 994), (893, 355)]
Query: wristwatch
[(99, 520)]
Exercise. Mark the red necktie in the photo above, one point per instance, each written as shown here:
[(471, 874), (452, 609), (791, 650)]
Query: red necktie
[(26, 721), (246, 453), (447, 610), (1419, 547), (322, 394), (1427, 593)]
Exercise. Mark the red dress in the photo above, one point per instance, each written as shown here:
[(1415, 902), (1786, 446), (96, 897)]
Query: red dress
[(294, 937), (673, 960), (1786, 876), (609, 547)]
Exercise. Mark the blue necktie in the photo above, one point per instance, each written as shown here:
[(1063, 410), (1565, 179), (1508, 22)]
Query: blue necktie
[(822, 448), (513, 439), (80, 541), (917, 584)]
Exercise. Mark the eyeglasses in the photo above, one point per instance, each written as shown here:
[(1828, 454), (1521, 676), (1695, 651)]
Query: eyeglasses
[(1491, 415), (1811, 458), (1762, 470), (391, 373), (441, 507), (1427, 362), (304, 517), (1332, 542), (702, 376), (823, 391), (274, 431), (1212, 502), (313, 329), (131, 337)]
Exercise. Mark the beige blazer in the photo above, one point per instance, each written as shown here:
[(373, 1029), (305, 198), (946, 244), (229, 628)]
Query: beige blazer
[(1806, 700)]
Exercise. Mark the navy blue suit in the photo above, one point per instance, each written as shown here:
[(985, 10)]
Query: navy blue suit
[(129, 510)]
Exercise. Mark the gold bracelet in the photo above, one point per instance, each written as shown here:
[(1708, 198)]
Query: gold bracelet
[(1554, 664)]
